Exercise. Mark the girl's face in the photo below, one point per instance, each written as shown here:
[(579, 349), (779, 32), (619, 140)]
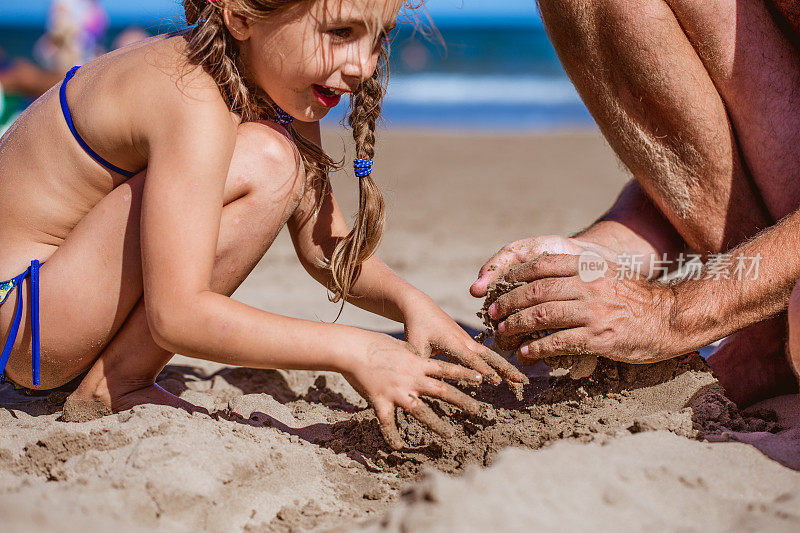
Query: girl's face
[(305, 58)]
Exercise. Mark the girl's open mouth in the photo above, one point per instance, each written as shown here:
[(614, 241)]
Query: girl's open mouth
[(327, 96)]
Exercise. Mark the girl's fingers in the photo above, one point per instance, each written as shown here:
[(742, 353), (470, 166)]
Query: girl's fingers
[(445, 370), (423, 349), (565, 342), (444, 391), (473, 361), (549, 315), (388, 426), (426, 416), (507, 371)]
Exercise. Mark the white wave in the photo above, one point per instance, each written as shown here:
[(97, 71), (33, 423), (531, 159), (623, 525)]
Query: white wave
[(454, 89)]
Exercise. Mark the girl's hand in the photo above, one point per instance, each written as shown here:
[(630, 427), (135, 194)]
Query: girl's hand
[(390, 374), (431, 332)]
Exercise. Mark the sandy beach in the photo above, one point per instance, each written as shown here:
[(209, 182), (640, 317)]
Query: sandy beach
[(624, 449)]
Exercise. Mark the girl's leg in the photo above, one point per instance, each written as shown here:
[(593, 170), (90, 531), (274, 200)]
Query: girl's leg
[(91, 287), (794, 330)]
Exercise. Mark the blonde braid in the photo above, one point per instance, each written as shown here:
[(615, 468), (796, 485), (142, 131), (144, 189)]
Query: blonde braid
[(364, 238)]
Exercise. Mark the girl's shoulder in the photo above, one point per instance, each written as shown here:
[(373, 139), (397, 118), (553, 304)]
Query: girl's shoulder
[(165, 76), (152, 78), (153, 85)]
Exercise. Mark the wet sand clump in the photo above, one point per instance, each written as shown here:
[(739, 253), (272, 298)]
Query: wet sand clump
[(577, 366)]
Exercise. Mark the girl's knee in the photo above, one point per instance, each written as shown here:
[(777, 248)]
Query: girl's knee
[(266, 177), (265, 157)]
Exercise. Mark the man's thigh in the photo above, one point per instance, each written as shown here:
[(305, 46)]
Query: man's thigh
[(757, 72)]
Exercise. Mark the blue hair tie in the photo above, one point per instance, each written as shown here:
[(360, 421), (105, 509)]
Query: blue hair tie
[(362, 167), (282, 117)]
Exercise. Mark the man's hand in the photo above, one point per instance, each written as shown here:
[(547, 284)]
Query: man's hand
[(622, 319), (525, 250)]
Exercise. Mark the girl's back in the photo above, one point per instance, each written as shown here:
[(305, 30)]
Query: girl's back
[(48, 182)]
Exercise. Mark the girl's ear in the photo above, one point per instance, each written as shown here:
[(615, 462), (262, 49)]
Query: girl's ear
[(238, 25)]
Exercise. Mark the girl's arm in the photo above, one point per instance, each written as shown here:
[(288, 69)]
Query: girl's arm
[(377, 289), (189, 142), (380, 290)]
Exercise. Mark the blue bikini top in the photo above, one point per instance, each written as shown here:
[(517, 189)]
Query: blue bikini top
[(71, 125)]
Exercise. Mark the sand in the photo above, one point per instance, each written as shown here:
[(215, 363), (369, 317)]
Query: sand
[(622, 448), (647, 482)]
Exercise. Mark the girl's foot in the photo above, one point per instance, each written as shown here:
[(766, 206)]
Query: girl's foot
[(81, 406)]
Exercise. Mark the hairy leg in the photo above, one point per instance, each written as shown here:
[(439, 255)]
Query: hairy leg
[(660, 111), (757, 72), (102, 257)]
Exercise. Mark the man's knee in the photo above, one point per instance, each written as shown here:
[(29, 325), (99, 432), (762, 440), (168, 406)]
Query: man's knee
[(579, 13), (794, 330)]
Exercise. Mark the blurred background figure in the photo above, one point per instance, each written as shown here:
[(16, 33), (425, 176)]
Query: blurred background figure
[(75, 32), (128, 36)]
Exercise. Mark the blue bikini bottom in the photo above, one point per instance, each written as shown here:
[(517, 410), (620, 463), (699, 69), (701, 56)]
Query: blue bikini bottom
[(5, 289)]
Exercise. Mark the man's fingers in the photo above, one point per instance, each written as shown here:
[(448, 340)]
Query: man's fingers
[(508, 343), (565, 342), (444, 391), (425, 414), (495, 267), (549, 315), (544, 266), (445, 370), (534, 293), (388, 426)]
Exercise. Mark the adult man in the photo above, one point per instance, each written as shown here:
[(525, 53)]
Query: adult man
[(701, 101)]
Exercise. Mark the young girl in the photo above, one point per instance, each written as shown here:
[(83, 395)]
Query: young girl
[(150, 182)]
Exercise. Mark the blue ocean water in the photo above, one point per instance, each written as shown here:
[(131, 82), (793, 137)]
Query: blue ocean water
[(496, 76)]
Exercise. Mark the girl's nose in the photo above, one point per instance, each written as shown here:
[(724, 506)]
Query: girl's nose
[(360, 64)]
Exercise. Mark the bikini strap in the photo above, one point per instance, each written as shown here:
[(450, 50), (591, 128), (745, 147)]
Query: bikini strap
[(33, 271), (62, 93)]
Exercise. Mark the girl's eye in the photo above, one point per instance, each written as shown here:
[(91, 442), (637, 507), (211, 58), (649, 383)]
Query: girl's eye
[(342, 33)]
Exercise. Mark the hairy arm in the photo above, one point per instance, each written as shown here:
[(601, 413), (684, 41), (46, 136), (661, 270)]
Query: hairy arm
[(708, 309)]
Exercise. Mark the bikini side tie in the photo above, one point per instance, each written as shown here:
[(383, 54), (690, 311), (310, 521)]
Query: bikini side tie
[(33, 271)]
